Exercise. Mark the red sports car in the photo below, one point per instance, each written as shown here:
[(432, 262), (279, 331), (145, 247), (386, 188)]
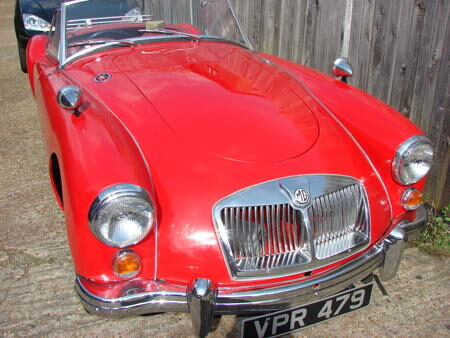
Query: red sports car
[(199, 175)]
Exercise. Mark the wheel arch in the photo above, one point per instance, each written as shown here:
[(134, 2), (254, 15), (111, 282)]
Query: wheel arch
[(56, 179)]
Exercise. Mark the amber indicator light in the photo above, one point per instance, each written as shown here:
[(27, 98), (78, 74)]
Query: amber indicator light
[(412, 199), (127, 264)]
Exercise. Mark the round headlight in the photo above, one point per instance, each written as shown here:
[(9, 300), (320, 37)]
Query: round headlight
[(121, 216), (413, 160)]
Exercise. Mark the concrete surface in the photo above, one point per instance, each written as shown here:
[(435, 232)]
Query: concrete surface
[(36, 280)]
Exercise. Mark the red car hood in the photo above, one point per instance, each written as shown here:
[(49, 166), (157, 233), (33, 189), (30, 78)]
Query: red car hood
[(225, 101)]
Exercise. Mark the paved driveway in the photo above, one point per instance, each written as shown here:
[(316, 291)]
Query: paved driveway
[(36, 280)]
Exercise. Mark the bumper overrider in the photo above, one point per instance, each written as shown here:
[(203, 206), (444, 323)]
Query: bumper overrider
[(203, 300)]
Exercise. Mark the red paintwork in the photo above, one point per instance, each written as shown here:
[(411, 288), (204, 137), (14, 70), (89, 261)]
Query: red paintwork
[(378, 128), (193, 122), (35, 51)]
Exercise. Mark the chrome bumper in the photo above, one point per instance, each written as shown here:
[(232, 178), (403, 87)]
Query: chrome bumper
[(413, 228), (204, 300), (396, 241)]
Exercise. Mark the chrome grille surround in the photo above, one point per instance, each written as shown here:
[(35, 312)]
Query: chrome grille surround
[(264, 231)]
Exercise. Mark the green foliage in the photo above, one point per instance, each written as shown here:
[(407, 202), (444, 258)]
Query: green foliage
[(435, 238)]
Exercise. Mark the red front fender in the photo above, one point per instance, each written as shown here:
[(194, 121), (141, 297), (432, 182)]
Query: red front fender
[(95, 151)]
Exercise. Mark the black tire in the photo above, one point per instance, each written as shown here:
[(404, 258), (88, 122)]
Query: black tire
[(23, 59)]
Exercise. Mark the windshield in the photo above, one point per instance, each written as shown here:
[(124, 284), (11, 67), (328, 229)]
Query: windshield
[(90, 25)]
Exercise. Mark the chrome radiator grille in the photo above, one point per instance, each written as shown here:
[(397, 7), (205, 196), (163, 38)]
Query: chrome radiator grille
[(265, 237), (273, 229), (338, 221)]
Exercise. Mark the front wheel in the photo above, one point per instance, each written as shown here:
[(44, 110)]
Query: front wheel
[(23, 59)]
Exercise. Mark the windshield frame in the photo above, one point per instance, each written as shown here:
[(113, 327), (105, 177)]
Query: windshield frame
[(65, 60)]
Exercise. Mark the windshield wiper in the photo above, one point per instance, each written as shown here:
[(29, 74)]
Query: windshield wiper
[(101, 42), (170, 32)]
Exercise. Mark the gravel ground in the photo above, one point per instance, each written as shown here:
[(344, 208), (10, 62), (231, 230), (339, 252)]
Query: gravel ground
[(36, 281)]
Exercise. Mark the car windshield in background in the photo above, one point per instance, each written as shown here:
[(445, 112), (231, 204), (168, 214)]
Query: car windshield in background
[(93, 24)]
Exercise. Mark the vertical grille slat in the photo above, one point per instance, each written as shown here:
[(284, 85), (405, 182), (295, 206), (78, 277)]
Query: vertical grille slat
[(341, 209), (262, 231), (269, 230), (289, 228), (337, 228), (322, 223), (245, 232), (274, 229), (234, 234), (279, 238), (294, 228), (256, 242), (235, 219), (239, 225), (283, 228)]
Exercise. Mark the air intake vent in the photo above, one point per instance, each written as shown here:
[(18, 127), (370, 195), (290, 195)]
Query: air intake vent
[(265, 237), (263, 231), (338, 221)]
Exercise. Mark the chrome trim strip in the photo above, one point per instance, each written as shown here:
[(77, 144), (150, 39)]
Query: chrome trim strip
[(62, 44), (86, 52), (62, 36)]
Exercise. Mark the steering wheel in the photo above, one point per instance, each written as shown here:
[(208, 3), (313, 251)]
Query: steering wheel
[(110, 33)]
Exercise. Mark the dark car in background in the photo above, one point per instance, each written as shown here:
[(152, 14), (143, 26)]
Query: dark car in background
[(33, 17)]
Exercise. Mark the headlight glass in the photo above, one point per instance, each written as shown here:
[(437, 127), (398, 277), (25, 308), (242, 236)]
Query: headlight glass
[(35, 23), (413, 160), (121, 216)]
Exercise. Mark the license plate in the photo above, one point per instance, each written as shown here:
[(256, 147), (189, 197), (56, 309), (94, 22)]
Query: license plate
[(286, 321)]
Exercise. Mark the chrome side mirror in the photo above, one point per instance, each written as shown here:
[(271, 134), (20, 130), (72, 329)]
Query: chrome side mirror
[(70, 98), (342, 68)]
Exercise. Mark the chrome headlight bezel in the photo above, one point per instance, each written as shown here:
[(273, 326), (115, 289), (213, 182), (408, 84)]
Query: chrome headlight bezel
[(113, 195), (403, 157)]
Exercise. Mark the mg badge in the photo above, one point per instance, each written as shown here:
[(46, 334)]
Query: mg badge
[(301, 196), (102, 77)]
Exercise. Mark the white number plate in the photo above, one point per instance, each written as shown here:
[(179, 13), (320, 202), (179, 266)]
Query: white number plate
[(286, 321)]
